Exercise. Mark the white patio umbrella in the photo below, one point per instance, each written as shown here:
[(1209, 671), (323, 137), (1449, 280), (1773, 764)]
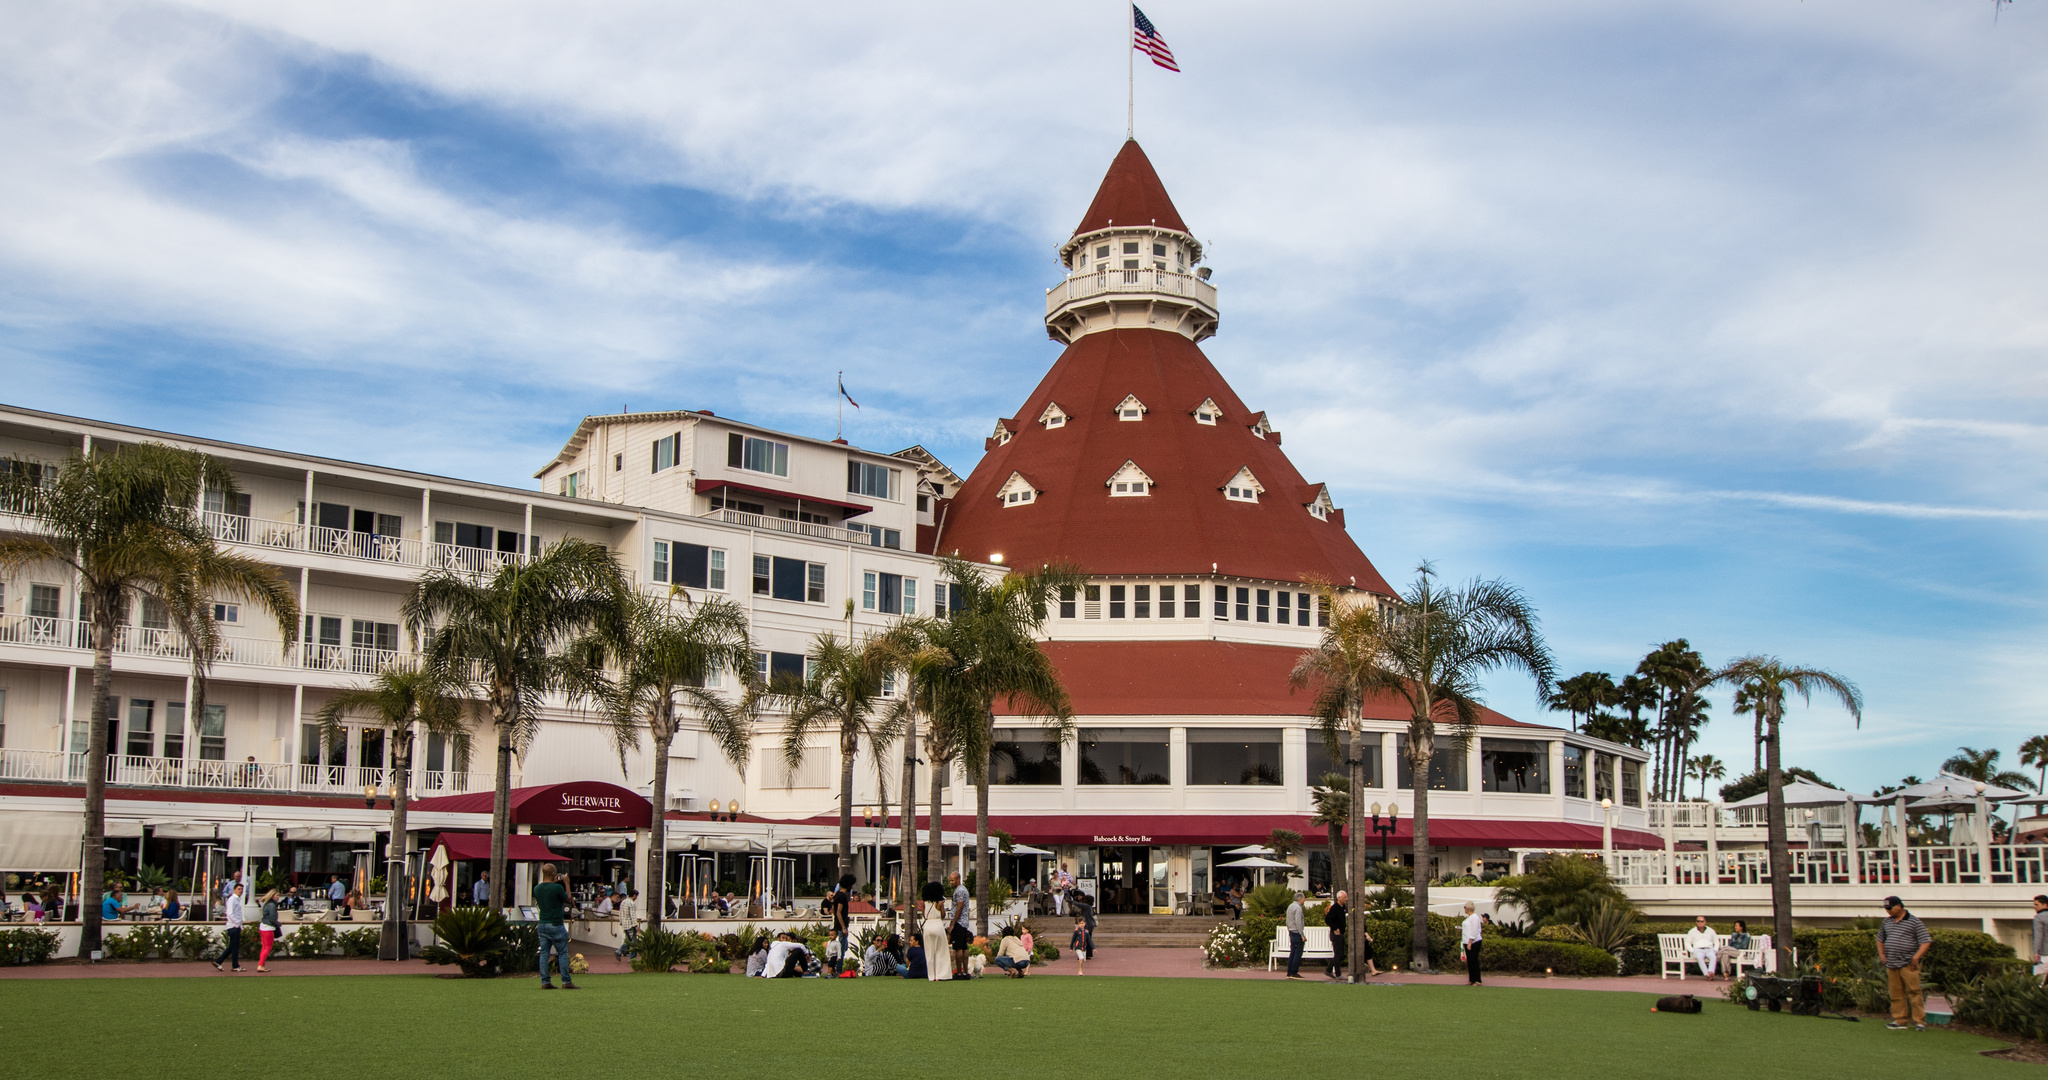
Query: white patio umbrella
[(1251, 849), (437, 875), (1800, 791), (1946, 785), (1257, 862)]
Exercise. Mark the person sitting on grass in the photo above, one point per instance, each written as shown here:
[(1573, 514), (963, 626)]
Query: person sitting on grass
[(1013, 957), (787, 958), (757, 959), (884, 957), (913, 962)]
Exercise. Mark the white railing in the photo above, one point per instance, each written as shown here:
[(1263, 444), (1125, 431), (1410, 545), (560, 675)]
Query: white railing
[(56, 766), (349, 778), (135, 641), (1106, 280), (470, 560), (371, 547), (787, 525), (2008, 864), (1698, 815), (355, 659), (258, 532)]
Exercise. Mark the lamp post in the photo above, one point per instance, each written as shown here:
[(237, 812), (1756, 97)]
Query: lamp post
[(1607, 833), (1386, 830)]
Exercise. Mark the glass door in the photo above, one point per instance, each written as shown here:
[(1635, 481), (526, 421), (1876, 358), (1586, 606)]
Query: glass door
[(1162, 892)]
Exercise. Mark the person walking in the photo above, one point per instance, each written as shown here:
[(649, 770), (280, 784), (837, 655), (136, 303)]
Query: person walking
[(2041, 936), (1471, 937), (839, 906), (1297, 932), (231, 951), (269, 929), (1903, 940), (957, 933), (933, 926), (552, 902), (1078, 945), (1335, 917)]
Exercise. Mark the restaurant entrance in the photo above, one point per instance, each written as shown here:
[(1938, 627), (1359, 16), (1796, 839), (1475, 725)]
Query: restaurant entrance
[(1125, 879)]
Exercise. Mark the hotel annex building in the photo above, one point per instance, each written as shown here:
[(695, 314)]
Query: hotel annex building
[(1133, 460)]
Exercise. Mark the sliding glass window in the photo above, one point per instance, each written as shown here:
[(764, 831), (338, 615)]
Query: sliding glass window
[(1234, 756)]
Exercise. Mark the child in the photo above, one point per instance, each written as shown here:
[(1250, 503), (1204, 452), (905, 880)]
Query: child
[(1079, 944)]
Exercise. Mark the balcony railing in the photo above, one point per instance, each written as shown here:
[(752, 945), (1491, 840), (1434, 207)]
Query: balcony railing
[(788, 525), (349, 544), (1995, 864), (128, 770), (135, 641), (1696, 816), (355, 659), (1106, 281)]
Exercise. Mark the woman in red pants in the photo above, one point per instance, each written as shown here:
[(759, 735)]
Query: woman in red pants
[(270, 929)]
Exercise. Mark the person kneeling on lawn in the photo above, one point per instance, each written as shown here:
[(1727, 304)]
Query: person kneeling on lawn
[(1013, 957)]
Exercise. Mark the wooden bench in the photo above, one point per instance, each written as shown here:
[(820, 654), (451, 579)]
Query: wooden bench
[(1315, 945), (1671, 949)]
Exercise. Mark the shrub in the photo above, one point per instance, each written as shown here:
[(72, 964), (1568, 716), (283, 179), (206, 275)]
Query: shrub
[(142, 941), (1229, 945), (1044, 952), (1268, 900), (1534, 955), (1555, 889), (2011, 1001), (665, 950), (363, 941), (999, 893), (1958, 956), (470, 938), (521, 946), (309, 940), (1393, 931), (1609, 927), (197, 942), (26, 946)]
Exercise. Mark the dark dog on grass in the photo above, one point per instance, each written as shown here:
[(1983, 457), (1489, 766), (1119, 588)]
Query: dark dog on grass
[(1683, 1003)]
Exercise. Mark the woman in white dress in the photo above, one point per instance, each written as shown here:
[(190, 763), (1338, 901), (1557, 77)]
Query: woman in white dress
[(938, 965)]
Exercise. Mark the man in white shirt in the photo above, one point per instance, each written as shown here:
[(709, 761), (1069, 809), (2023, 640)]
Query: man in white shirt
[(1703, 944), (1062, 883), (232, 950), (785, 959), (1471, 936)]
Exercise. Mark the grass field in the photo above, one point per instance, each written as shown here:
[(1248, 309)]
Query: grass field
[(424, 1028)]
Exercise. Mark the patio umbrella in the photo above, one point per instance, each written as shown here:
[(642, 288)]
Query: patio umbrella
[(1799, 791), (1251, 849), (437, 874), (1257, 862), (1945, 785)]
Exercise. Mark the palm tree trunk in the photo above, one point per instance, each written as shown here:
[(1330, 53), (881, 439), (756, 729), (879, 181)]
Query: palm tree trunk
[(1354, 933), (1418, 944), (906, 878), (395, 890), (1756, 746), (981, 867), (846, 749), (656, 904), (501, 798), (94, 881), (935, 847), (1780, 855)]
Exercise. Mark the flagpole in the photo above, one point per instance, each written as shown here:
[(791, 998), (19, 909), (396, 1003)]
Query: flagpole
[(839, 403), (1130, 70)]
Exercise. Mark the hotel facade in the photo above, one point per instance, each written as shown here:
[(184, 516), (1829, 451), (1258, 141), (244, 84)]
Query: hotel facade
[(1132, 460)]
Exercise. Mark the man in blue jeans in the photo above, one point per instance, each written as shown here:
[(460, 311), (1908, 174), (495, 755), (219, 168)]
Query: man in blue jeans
[(1297, 930), (552, 900)]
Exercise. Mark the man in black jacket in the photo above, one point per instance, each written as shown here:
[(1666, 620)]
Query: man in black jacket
[(1333, 917)]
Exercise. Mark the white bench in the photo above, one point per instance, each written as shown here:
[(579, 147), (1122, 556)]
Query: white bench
[(1315, 945), (1672, 950)]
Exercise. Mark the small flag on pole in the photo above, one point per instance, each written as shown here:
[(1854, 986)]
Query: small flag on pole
[(1145, 38), (844, 394)]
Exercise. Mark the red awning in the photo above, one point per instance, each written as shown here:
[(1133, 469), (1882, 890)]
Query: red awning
[(519, 847), (588, 804), (1216, 829), (713, 485)]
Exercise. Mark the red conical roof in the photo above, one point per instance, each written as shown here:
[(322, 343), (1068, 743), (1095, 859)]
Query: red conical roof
[(1186, 524), (1131, 194)]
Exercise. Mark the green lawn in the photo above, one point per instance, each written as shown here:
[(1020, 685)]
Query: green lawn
[(423, 1028)]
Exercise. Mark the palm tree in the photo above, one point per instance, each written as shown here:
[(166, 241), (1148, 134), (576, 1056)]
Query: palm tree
[(1749, 699), (992, 636), (1772, 679), (1433, 644), (916, 659), (843, 694), (665, 662), (1346, 669), (401, 698), (1706, 767), (1332, 799), (1676, 672), (1982, 766), (1584, 694), (2034, 752), (125, 521), (505, 634)]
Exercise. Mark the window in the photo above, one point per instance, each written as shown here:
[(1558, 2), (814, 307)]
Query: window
[(1244, 487), (1574, 771), (910, 596), (1130, 408), (688, 565), (1603, 776), (577, 484), (1141, 601), (1265, 605), (756, 455), (174, 730), (618, 463), (464, 534), (1128, 481), (1244, 604), (1322, 612), (721, 501), (1024, 757), (878, 536), (227, 613), (141, 727), (782, 667), (1446, 765), (660, 571), (1116, 601), (1130, 247), (716, 576), (1066, 601), (45, 601), (667, 451), (1321, 764), (1091, 606), (1123, 755), (761, 575), (1282, 598), (1053, 416), (1514, 765), (371, 643), (1019, 496), (1234, 756), (1222, 593), (220, 502), (1301, 609), (795, 579), (213, 733), (868, 589), (924, 504), (1631, 782), (1191, 604), (1159, 251), (1166, 601), (155, 614), (1015, 491), (1102, 251), (1204, 416), (878, 481)]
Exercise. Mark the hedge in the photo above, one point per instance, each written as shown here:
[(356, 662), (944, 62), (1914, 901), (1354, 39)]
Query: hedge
[(26, 946), (1958, 956), (1531, 955)]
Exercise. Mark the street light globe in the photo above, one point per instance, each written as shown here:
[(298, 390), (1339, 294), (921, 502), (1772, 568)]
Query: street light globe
[(1978, 787), (1375, 809), (1607, 804)]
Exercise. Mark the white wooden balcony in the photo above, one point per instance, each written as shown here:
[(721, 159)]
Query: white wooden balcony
[(790, 526), (348, 544), (56, 766), (1108, 297), (142, 641)]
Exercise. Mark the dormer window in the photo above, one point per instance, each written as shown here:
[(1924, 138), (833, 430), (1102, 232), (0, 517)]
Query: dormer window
[(1129, 481), (1320, 507), (1262, 428), (1207, 412), (1016, 491), (1002, 433), (1053, 416), (1244, 487), (1130, 408)]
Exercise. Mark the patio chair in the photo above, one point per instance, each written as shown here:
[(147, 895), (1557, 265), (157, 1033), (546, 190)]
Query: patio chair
[(1181, 905)]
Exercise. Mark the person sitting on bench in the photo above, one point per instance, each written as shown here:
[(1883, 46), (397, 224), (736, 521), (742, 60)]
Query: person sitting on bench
[(1703, 945)]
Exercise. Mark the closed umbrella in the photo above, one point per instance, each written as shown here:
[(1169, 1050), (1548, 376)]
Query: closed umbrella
[(437, 873)]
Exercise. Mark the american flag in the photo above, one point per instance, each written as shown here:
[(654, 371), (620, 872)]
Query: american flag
[(1145, 38)]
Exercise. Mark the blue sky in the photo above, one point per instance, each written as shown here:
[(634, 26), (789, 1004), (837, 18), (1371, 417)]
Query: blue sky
[(1722, 320)]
